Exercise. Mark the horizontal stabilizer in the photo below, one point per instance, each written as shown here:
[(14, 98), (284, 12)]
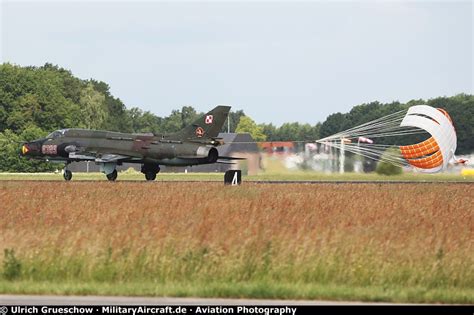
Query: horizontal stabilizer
[(230, 158), (225, 162)]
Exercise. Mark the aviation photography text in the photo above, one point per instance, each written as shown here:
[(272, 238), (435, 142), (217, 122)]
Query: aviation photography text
[(133, 310)]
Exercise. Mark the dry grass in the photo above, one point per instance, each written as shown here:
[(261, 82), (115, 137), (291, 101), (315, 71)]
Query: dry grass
[(411, 235)]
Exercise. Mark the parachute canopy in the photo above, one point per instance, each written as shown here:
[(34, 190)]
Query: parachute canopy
[(430, 155)]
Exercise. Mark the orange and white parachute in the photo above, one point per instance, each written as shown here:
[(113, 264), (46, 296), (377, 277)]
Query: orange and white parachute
[(431, 155), (434, 153)]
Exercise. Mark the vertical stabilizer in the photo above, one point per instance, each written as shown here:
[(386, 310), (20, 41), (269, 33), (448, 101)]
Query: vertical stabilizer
[(207, 126)]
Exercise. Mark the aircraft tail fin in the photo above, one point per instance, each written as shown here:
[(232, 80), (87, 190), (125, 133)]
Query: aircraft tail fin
[(207, 126)]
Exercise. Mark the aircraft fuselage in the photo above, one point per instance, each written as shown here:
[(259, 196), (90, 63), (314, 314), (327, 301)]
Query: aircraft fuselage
[(193, 145)]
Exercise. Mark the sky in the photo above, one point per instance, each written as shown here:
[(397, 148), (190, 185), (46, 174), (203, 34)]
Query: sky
[(280, 61)]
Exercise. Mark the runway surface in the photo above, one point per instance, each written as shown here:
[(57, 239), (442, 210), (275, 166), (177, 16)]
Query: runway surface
[(122, 300), (275, 182)]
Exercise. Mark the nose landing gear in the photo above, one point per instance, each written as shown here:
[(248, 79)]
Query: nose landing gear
[(67, 174)]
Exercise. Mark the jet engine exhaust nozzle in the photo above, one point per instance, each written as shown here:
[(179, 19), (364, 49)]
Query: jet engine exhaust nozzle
[(209, 152)]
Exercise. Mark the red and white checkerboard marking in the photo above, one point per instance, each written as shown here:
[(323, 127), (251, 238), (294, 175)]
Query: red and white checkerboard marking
[(209, 119)]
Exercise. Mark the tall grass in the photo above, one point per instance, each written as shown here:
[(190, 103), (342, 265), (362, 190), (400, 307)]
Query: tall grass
[(412, 236)]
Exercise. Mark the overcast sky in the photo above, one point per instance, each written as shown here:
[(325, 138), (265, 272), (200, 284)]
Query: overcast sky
[(278, 61)]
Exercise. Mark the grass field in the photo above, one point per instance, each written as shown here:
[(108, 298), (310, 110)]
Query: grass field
[(403, 243), (264, 176)]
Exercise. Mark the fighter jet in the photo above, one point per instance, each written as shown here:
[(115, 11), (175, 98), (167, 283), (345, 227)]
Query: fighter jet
[(193, 145)]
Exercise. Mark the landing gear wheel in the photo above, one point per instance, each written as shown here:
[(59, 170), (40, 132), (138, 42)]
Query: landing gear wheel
[(67, 175), (150, 175), (112, 176), (150, 170)]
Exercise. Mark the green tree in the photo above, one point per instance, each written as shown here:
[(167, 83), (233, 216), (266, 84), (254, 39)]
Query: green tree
[(247, 125), (291, 132), (234, 118), (270, 132), (188, 116), (150, 123), (39, 96), (117, 118), (173, 122), (335, 123), (386, 168), (93, 109), (10, 145)]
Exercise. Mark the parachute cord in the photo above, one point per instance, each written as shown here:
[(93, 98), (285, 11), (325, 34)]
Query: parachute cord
[(373, 154), (392, 120)]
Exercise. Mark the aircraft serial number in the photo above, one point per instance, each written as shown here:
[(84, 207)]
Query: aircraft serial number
[(49, 149)]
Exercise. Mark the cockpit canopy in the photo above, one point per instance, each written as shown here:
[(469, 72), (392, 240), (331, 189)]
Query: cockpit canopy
[(56, 134)]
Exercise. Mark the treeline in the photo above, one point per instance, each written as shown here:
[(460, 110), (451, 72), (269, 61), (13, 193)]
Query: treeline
[(51, 98), (37, 100)]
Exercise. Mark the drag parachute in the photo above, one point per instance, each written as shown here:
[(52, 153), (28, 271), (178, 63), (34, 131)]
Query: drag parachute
[(430, 155)]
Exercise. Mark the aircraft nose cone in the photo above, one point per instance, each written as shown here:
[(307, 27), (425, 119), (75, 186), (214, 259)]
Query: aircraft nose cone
[(31, 148), (25, 149)]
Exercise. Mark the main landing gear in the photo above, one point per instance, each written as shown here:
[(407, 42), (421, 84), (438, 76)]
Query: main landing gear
[(109, 170), (150, 171), (67, 174), (112, 176)]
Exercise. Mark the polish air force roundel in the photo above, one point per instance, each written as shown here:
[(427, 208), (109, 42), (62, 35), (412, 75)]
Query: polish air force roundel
[(199, 132)]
